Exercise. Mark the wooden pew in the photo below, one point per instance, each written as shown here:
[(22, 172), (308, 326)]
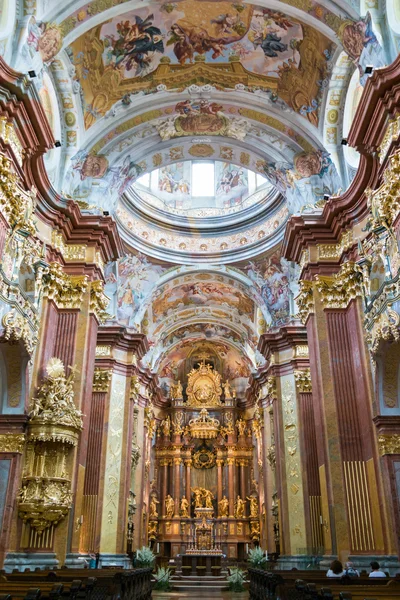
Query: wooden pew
[(128, 585), (270, 583), (51, 591)]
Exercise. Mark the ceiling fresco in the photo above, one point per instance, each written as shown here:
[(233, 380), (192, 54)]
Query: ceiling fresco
[(169, 44), (131, 87)]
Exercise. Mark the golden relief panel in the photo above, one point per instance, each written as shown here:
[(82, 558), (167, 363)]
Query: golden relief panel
[(204, 387)]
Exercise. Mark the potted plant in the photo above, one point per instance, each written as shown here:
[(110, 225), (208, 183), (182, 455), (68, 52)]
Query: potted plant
[(163, 579), (257, 558), (145, 557), (236, 579)]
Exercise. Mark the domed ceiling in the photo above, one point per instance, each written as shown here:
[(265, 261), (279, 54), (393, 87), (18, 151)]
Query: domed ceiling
[(133, 88)]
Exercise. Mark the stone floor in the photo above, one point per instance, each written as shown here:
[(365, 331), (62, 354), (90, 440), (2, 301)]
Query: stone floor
[(198, 594)]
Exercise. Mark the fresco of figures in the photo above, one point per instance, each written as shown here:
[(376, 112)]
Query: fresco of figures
[(306, 181), (272, 281), (174, 184), (231, 184), (200, 293), (137, 277)]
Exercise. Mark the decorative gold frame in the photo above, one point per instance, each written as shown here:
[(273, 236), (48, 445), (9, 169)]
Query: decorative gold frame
[(204, 387)]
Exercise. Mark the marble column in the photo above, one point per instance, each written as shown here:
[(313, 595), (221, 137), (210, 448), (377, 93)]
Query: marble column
[(177, 483), (188, 465), (231, 485), (220, 464)]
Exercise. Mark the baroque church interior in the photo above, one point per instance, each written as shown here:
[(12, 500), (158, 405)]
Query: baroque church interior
[(199, 285)]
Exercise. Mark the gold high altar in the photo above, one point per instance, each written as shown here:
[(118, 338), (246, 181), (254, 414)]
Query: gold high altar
[(203, 463)]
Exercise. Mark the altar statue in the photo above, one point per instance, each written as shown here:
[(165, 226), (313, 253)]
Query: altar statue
[(166, 426), (223, 506), (253, 506), (198, 497), (209, 497), (227, 390), (239, 508), (241, 426), (153, 508), (184, 508), (177, 391), (169, 507)]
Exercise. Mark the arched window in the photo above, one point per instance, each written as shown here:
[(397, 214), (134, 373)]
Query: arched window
[(353, 97)]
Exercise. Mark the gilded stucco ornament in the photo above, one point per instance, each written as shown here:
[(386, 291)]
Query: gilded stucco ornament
[(149, 419), (204, 426), (303, 381), (101, 380), (392, 133), (271, 456), (53, 413), (17, 205), (344, 286), (386, 328), (305, 300), (54, 425), (16, 328), (134, 389), (99, 301), (389, 444), (67, 291), (384, 202), (258, 420), (270, 387), (204, 387), (12, 442)]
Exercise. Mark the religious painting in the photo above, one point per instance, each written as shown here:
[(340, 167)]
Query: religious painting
[(271, 281), (129, 51), (307, 180), (45, 39), (231, 184), (137, 277), (201, 294), (91, 174), (361, 44), (174, 184), (201, 117)]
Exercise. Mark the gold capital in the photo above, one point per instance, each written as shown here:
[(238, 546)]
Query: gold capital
[(303, 381), (99, 301), (101, 380), (67, 291), (389, 444), (344, 286)]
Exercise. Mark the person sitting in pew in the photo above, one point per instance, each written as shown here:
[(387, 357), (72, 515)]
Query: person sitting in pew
[(336, 569), (350, 571), (376, 572)]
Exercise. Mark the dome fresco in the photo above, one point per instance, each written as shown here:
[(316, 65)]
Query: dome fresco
[(201, 127)]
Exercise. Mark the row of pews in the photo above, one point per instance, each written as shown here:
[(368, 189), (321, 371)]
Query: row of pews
[(314, 585), (76, 584)]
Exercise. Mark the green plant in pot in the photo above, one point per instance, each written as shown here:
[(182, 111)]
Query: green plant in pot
[(257, 558), (145, 557), (163, 579), (236, 579)]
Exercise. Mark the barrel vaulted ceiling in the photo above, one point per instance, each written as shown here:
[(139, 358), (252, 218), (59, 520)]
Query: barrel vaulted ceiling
[(130, 87)]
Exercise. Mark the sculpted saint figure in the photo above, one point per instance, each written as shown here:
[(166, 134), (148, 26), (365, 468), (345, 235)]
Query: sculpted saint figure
[(223, 506), (253, 506), (169, 507), (153, 507), (198, 497), (166, 426), (227, 390), (239, 508), (184, 508), (208, 498), (241, 426)]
